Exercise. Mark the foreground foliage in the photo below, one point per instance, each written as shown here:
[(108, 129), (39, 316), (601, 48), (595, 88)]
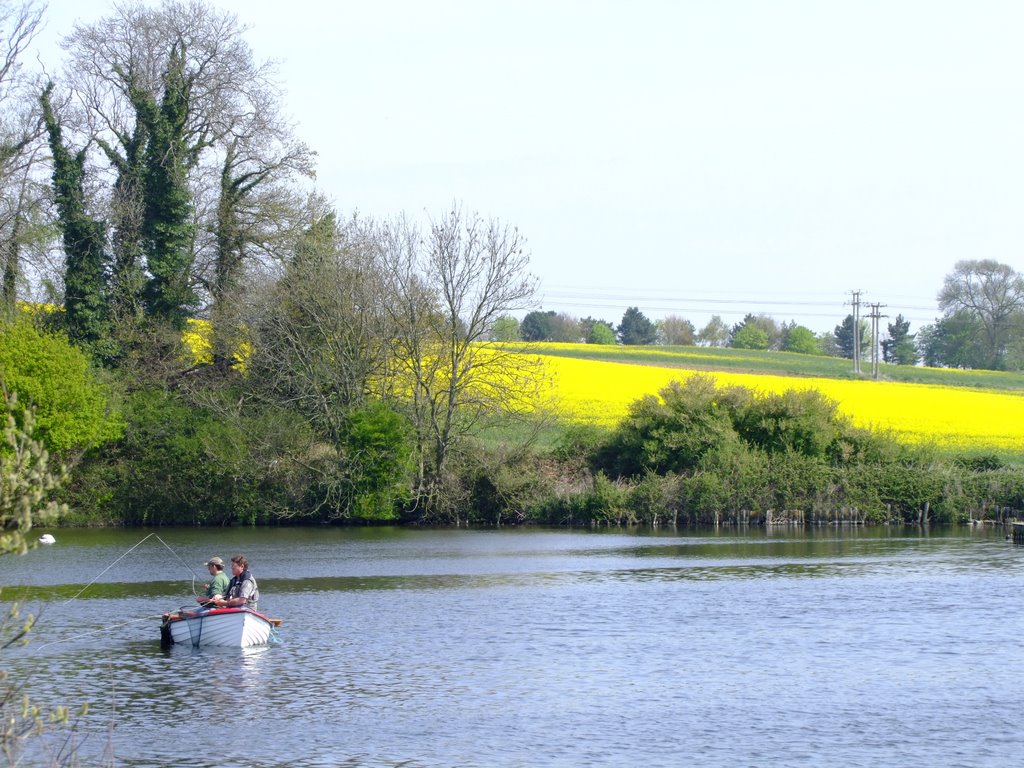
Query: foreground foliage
[(28, 481)]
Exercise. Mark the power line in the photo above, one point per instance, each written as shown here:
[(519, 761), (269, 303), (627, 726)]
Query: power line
[(733, 308), (709, 302)]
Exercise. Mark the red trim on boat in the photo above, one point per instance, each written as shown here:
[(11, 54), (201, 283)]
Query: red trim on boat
[(219, 612)]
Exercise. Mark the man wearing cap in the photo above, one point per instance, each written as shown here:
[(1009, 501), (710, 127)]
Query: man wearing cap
[(216, 588)]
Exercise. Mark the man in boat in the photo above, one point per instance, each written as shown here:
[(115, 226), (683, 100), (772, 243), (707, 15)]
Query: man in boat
[(242, 590), (218, 587)]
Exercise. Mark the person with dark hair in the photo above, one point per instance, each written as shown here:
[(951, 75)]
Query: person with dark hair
[(242, 590), (216, 588)]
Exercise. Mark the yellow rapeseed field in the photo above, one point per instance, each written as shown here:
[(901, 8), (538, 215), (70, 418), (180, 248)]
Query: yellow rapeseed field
[(600, 392), (591, 391)]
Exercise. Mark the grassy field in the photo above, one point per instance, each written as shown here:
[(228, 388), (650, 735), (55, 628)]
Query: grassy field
[(722, 359), (957, 411)]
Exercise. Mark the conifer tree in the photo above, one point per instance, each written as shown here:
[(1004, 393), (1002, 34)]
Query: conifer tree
[(899, 348), (85, 299), (635, 328)]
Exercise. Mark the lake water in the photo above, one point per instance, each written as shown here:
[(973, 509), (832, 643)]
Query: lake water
[(830, 646)]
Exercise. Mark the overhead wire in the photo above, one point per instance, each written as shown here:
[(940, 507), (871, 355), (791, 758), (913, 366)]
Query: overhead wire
[(599, 299)]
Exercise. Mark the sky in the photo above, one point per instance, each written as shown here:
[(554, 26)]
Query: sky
[(688, 158)]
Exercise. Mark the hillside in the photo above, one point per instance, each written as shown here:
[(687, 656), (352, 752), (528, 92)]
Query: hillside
[(955, 411), (725, 359)]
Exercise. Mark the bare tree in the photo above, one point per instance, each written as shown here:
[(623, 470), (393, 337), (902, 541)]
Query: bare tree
[(445, 293), (317, 333), (318, 346), (22, 195), (19, 23), (259, 159), (230, 140), (675, 331)]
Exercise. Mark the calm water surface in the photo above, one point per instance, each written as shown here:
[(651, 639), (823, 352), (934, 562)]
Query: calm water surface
[(831, 646)]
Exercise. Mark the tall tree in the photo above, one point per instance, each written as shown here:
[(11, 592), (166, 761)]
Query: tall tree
[(168, 225), (773, 334), (20, 192), (899, 347), (565, 328), (446, 292), (846, 338), (85, 299), (190, 127), (800, 339), (676, 331), (749, 336), (991, 292), (259, 158), (952, 342), (505, 328), (597, 331), (636, 328), (537, 325), (317, 337), (714, 334)]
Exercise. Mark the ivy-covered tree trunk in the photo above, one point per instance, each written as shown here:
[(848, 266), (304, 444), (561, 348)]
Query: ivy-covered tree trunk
[(8, 287), (127, 277), (168, 224), (85, 289), (230, 248)]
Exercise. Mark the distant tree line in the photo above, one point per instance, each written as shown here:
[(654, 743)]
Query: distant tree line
[(982, 327)]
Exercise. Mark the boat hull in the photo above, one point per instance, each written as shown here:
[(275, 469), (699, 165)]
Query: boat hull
[(220, 627)]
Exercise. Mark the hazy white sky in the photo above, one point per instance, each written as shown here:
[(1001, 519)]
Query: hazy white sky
[(686, 157)]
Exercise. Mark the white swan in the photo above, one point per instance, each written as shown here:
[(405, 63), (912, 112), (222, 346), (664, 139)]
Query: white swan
[(46, 538)]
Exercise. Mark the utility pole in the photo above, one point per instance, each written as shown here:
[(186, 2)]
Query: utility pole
[(875, 317), (856, 331)]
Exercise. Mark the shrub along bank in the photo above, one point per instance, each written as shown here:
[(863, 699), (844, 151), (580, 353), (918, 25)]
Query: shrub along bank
[(696, 453), (703, 454)]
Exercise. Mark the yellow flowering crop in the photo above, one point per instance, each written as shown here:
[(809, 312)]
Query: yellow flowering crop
[(600, 392), (198, 337)]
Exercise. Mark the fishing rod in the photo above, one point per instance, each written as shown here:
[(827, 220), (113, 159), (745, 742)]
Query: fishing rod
[(122, 557), (78, 636)]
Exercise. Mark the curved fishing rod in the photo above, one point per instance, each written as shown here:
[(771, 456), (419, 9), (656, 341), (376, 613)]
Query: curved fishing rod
[(80, 635), (194, 574)]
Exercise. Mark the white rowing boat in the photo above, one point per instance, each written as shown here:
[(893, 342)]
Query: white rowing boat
[(224, 627)]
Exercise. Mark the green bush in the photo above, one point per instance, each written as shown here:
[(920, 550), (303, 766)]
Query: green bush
[(672, 433), (74, 408), (805, 422), (375, 453), (605, 502), (654, 499), (164, 473)]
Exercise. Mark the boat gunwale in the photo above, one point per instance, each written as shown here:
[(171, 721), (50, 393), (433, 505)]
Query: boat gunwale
[(181, 615)]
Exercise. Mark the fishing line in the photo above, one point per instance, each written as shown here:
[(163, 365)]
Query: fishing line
[(80, 635), (122, 557), (194, 574), (100, 574)]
